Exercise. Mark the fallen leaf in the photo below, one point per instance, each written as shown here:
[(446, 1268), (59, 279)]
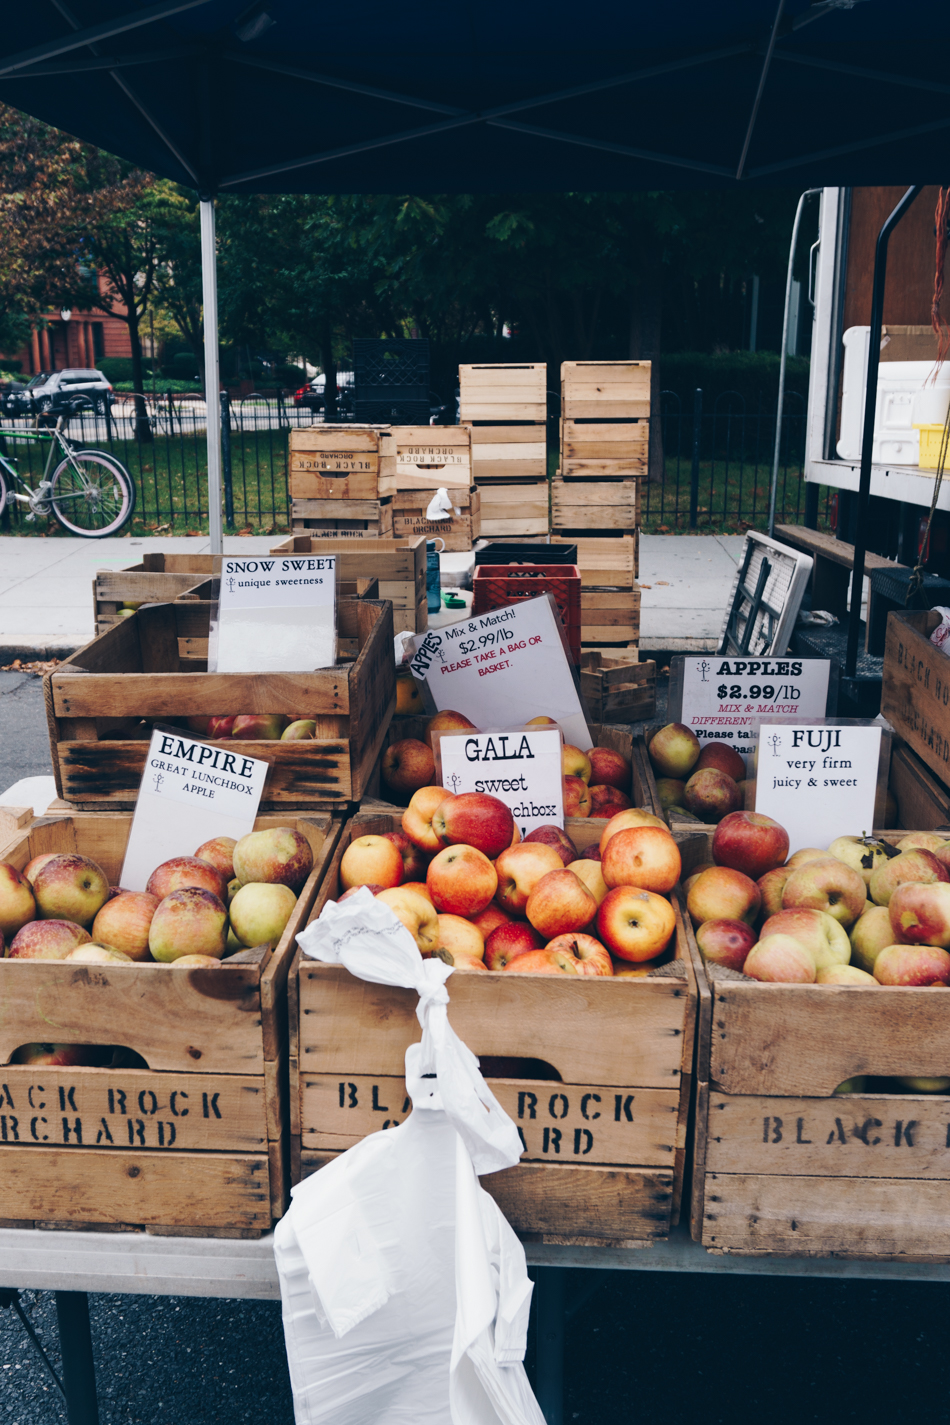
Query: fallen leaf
[(664, 582), (644, 586)]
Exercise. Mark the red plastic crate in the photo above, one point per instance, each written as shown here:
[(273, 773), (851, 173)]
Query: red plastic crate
[(496, 585)]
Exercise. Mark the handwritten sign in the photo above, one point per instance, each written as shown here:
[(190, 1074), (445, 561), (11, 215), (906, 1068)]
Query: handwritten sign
[(504, 668), (725, 699), (275, 615), (522, 769), (819, 780), (190, 791)]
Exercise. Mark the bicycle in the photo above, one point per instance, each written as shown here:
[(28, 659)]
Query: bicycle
[(90, 492)]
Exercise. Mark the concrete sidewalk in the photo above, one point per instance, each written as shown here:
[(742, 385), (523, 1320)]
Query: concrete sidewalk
[(46, 587)]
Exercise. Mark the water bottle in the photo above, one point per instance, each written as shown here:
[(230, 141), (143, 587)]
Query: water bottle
[(433, 583)]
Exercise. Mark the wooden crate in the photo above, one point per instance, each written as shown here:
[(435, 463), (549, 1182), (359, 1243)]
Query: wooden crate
[(503, 392), (198, 1141), (509, 452), (343, 519), (514, 509), (618, 688), (399, 566), (96, 700), (459, 533), (922, 802), (430, 456), (915, 697), (784, 1166), (605, 561), (591, 450), (604, 1131), (605, 390), (155, 579), (595, 504), (342, 463), (610, 617)]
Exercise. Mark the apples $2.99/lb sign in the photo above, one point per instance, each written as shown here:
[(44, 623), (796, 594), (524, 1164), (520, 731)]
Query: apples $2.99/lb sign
[(521, 769), (190, 791), (726, 698)]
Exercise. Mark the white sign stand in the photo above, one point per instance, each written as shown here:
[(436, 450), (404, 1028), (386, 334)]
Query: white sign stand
[(275, 615), (504, 667), (724, 699), (522, 769), (819, 780), (190, 791)]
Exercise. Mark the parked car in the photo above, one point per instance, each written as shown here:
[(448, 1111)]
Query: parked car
[(311, 396), (48, 392)]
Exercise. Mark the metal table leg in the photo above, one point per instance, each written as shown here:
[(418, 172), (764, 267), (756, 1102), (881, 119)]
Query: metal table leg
[(549, 1371), (79, 1372)]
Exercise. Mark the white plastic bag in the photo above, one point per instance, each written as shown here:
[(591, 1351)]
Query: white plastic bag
[(405, 1292), (440, 507), (941, 633)]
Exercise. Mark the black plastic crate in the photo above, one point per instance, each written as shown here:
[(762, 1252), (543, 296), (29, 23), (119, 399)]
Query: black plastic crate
[(500, 551), (397, 410)]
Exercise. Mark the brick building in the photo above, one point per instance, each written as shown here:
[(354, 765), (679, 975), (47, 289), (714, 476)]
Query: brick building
[(82, 340)]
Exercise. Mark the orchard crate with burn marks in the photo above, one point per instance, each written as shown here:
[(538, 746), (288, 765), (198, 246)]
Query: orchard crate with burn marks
[(196, 1143), (342, 463), (595, 1072), (101, 703), (430, 456), (458, 533), (915, 696), (343, 518), (786, 1166), (399, 566)]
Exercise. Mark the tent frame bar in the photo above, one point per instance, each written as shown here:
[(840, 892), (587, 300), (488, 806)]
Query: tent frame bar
[(106, 31)]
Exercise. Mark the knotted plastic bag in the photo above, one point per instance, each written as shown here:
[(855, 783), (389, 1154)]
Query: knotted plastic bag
[(405, 1292), (440, 507)]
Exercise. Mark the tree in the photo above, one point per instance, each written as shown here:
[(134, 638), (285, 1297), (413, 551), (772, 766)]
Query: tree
[(178, 271)]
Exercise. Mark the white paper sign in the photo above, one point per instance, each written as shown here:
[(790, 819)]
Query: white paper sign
[(521, 769), (818, 780), (725, 699), (504, 668), (191, 791), (275, 615)]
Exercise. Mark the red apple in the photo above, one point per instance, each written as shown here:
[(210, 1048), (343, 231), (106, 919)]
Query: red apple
[(56, 1056), (558, 838), (17, 906), (191, 921), (220, 727), (413, 862), (750, 842), (772, 886), (642, 856), (70, 887), (780, 959), (544, 962), (804, 855), (560, 903), (635, 925), (923, 841), (302, 729), (417, 818), (609, 768), (31, 867), (219, 852), (460, 959), (489, 919), (827, 885), (447, 721), (474, 819), (519, 869), (594, 958), (279, 856), (353, 889), (605, 802), (371, 860), (124, 923), (819, 932), (182, 871), (408, 765), (915, 865), (507, 941), (47, 940), (576, 796), (723, 758), (461, 880), (920, 914), (725, 942), (912, 965), (723, 894), (674, 750), (262, 727), (574, 762), (591, 873), (624, 820), (711, 795)]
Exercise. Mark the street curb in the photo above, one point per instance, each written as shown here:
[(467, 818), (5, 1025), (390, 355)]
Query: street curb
[(36, 652)]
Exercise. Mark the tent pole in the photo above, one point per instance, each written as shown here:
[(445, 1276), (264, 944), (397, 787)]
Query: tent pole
[(870, 409), (781, 365), (209, 292)]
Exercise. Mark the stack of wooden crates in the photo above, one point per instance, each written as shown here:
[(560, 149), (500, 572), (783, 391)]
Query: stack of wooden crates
[(505, 407), (915, 699), (427, 458), (342, 481), (595, 497)]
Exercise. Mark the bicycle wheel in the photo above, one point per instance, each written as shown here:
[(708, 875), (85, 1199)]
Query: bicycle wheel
[(106, 457), (91, 494), (3, 493)]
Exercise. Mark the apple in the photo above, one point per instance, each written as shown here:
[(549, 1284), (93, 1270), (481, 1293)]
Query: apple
[(459, 935), (259, 727), (196, 962), (279, 856), (870, 934), (915, 865), (260, 912), (626, 970), (806, 854), (632, 816), (827, 885), (711, 795), (674, 750), (413, 861), (408, 765), (541, 722), (725, 942), (417, 914), (862, 853), (182, 871), (234, 886), (17, 906), (642, 856), (772, 887), (47, 940), (670, 791), (375, 890), (419, 886), (560, 903), (844, 975), (920, 914), (918, 1085), (220, 727), (56, 1056), (447, 721), (98, 955), (696, 872), (124, 923), (461, 959), (558, 838), (820, 933), (609, 768), (474, 819), (519, 869), (462, 880), (489, 919), (507, 941), (922, 840), (70, 887), (199, 723), (593, 853), (722, 758), (191, 921), (576, 796), (574, 762), (417, 818), (781, 959), (544, 962), (31, 867), (635, 924), (371, 860), (605, 802), (219, 852), (594, 957), (747, 793), (591, 874), (723, 894), (750, 842), (918, 965), (303, 729)]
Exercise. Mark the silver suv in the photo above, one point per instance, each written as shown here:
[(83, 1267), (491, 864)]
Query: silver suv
[(48, 391)]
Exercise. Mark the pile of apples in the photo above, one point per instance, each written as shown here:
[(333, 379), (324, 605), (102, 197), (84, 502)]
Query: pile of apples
[(469, 890), (595, 782), (862, 912), (256, 727), (706, 782)]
